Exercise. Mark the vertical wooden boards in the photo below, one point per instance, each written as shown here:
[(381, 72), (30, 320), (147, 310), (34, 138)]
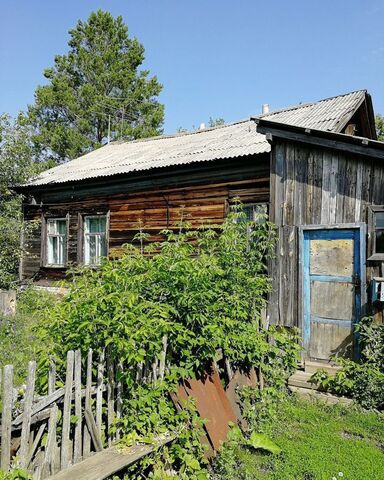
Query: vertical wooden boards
[(279, 180), (326, 188), (49, 466), (310, 187), (51, 376), (99, 392), (276, 215), (334, 173), (110, 395), (289, 187), (6, 417), (317, 186), (66, 444), (288, 300), (77, 451), (87, 404), (26, 425), (359, 191)]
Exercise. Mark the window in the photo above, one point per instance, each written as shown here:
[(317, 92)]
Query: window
[(56, 241), (95, 239), (256, 212), (377, 233)]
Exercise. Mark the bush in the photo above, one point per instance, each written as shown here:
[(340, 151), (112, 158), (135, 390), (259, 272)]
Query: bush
[(18, 339), (204, 289), (363, 380)]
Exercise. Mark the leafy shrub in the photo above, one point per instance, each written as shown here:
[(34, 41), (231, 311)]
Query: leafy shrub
[(204, 289), (19, 342), (363, 380)]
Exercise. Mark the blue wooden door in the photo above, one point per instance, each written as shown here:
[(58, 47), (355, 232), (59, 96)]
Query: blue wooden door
[(331, 291)]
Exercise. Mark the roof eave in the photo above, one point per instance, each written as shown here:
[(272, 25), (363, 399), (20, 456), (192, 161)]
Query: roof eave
[(336, 141)]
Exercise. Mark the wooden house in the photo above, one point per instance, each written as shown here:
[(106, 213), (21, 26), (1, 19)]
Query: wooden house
[(317, 169)]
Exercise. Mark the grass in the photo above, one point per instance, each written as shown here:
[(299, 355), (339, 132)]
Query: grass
[(317, 442)]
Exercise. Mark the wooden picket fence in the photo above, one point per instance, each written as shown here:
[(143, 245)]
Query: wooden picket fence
[(47, 434)]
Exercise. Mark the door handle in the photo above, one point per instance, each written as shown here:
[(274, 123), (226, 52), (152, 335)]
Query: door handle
[(356, 281)]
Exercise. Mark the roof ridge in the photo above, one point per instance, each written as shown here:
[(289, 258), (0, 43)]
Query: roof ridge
[(307, 104), (178, 134)]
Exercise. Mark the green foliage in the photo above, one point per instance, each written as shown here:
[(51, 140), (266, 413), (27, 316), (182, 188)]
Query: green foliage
[(379, 120), (18, 341), (17, 163), (97, 81), (259, 441), (205, 290), (15, 474), (317, 442), (215, 122), (363, 380)]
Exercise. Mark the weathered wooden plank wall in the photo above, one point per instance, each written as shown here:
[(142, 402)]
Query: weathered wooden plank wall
[(152, 210), (314, 186)]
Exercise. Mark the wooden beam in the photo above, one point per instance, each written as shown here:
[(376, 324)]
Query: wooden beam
[(108, 462)]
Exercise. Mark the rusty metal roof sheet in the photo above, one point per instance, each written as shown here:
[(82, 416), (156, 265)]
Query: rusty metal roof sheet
[(227, 141)]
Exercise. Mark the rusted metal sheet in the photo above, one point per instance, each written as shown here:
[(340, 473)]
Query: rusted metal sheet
[(239, 380), (212, 404)]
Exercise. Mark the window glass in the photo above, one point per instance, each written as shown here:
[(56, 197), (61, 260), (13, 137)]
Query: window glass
[(256, 212), (379, 241), (379, 220), (95, 241), (56, 241)]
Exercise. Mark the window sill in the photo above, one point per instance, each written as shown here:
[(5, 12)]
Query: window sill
[(55, 266), (376, 257)]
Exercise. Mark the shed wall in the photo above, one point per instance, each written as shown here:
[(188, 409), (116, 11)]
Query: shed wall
[(314, 186)]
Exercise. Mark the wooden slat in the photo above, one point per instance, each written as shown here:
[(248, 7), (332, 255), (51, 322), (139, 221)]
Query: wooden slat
[(51, 376), (87, 404), (108, 462), (77, 452), (35, 444), (110, 396), (27, 411), (50, 465), (119, 395), (66, 444), (93, 430), (99, 392), (6, 417)]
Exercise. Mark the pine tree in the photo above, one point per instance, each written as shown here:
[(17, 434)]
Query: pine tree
[(95, 91)]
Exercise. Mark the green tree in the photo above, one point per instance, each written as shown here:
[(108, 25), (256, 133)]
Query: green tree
[(379, 120), (17, 163), (215, 122), (95, 88)]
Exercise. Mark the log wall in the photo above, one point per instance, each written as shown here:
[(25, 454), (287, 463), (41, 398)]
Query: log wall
[(150, 209)]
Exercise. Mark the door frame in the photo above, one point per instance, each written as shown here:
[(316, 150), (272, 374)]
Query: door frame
[(362, 228)]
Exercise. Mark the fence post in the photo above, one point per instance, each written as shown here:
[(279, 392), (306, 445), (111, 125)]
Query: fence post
[(65, 441), (87, 404), (26, 425), (78, 439), (6, 418), (99, 392)]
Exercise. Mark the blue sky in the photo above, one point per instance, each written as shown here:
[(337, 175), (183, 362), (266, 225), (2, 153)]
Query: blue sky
[(219, 58)]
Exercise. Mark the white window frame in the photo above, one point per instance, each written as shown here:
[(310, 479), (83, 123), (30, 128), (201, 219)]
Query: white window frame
[(64, 236), (87, 235)]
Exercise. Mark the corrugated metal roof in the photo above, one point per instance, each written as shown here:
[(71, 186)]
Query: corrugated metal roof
[(331, 114), (227, 141)]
